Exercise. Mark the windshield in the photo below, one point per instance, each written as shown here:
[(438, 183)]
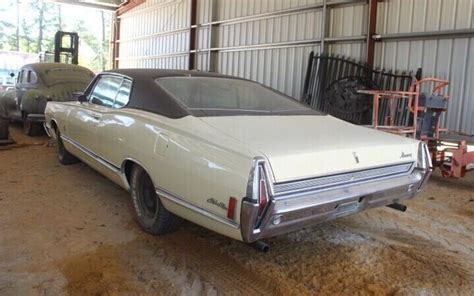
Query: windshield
[(211, 95)]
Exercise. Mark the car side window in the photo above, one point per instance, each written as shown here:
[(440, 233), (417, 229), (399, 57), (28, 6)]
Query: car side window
[(24, 76), (31, 77), (18, 78), (105, 90), (123, 94)]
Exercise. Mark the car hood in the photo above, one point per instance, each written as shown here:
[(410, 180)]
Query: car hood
[(299, 147)]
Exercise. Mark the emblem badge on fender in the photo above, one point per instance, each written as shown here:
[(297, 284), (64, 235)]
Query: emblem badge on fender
[(356, 158), (217, 203), (405, 155)]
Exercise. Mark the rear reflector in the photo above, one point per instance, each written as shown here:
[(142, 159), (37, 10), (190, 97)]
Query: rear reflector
[(262, 197), (231, 208)]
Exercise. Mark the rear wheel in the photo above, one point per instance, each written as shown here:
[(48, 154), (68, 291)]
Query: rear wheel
[(64, 156), (151, 214), (31, 128)]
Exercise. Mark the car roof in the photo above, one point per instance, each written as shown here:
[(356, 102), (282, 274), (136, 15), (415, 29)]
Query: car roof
[(158, 73), (148, 95), (42, 67)]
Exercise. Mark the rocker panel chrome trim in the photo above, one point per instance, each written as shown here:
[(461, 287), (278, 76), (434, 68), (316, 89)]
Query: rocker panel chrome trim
[(180, 201), (91, 154)]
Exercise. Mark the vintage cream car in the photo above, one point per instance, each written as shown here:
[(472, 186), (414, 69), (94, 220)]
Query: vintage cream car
[(229, 154)]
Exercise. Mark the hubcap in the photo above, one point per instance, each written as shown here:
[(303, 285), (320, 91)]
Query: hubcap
[(147, 196)]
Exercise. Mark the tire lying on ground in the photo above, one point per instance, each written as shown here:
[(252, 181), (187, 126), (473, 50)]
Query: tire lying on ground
[(4, 133), (31, 128)]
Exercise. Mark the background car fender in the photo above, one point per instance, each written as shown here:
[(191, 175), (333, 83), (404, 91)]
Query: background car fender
[(33, 102)]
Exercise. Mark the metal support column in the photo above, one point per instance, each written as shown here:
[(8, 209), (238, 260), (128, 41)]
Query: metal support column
[(116, 44), (210, 44), (372, 27), (192, 35), (324, 26)]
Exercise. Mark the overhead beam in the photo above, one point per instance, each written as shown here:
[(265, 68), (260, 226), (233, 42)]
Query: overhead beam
[(129, 5), (95, 5)]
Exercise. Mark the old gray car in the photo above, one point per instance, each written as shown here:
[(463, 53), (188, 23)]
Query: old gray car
[(39, 83)]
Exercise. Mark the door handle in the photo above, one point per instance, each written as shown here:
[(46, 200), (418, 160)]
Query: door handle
[(95, 116)]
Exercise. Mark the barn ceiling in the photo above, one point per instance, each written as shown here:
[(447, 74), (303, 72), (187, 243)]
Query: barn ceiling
[(99, 4)]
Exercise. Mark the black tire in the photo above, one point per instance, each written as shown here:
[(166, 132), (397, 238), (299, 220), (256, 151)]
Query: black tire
[(4, 133), (64, 156), (151, 214), (31, 128)]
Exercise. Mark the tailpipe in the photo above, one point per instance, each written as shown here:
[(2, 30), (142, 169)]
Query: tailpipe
[(398, 207), (261, 246)]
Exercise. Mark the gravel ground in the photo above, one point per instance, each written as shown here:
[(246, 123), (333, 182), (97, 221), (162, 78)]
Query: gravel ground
[(68, 230)]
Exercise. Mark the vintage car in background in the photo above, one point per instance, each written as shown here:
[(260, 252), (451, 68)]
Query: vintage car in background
[(230, 154), (38, 83)]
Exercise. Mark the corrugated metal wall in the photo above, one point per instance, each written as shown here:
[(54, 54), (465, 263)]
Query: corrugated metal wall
[(269, 40), (155, 35), (451, 58)]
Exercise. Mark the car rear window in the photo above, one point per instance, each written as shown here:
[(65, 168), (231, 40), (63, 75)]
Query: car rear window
[(224, 94), (59, 75)]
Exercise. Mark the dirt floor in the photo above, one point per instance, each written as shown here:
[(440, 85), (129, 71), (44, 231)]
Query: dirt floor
[(68, 230)]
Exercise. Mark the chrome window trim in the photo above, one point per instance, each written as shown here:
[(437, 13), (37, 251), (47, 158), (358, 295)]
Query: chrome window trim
[(197, 209), (351, 177)]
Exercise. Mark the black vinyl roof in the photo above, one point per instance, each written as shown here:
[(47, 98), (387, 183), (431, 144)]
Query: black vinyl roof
[(147, 95), (145, 90)]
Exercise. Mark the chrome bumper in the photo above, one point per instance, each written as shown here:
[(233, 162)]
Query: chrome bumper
[(291, 212)]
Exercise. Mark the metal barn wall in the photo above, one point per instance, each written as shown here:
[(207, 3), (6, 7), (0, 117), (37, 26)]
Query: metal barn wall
[(155, 35), (268, 41), (438, 36)]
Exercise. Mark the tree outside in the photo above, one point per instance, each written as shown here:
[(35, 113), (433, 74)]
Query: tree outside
[(30, 25)]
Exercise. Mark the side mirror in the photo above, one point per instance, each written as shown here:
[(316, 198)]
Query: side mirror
[(82, 98), (12, 74)]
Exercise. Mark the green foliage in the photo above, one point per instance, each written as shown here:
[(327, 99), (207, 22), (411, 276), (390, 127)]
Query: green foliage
[(39, 21)]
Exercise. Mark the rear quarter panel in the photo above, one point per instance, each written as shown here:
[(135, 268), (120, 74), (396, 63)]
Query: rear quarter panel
[(183, 156)]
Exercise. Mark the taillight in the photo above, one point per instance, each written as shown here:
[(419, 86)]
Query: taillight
[(262, 192), (231, 208)]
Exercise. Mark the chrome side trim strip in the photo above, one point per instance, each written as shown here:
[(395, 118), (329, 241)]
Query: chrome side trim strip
[(91, 154), (180, 201), (342, 179)]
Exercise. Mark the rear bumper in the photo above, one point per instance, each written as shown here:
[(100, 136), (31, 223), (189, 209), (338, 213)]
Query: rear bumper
[(291, 212), (36, 118)]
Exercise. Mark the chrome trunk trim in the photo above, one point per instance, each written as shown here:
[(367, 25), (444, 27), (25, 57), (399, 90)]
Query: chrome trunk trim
[(342, 179)]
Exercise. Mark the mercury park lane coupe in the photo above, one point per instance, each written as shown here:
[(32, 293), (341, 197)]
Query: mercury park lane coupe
[(230, 154)]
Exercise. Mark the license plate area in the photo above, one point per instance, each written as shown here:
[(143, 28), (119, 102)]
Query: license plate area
[(347, 208)]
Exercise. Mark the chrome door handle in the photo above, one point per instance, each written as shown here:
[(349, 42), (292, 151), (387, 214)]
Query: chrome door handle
[(95, 116)]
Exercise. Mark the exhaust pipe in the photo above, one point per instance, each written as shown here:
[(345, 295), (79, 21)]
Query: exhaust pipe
[(398, 207), (261, 246)]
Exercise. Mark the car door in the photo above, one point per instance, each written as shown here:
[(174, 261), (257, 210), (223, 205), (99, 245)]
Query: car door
[(111, 130), (83, 128)]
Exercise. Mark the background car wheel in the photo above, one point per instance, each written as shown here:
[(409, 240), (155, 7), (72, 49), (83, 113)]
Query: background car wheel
[(151, 214), (64, 156), (31, 128)]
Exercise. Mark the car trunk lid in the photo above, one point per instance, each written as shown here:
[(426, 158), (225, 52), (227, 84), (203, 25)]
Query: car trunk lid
[(301, 147)]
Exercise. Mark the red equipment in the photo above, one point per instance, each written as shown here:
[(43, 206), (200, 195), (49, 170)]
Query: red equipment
[(452, 153)]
